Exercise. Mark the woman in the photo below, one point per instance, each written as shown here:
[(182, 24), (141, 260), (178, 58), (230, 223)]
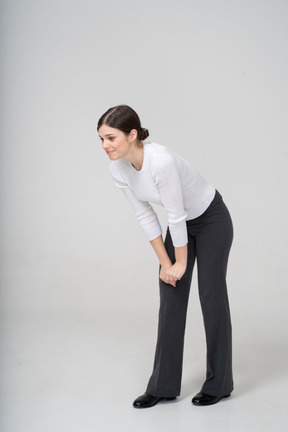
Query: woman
[(199, 225)]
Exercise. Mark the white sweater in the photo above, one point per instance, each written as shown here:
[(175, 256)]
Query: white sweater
[(166, 179)]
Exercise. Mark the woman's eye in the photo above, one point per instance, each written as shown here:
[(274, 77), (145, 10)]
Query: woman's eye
[(111, 138)]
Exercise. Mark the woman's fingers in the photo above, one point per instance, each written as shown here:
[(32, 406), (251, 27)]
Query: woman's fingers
[(170, 281), (176, 271), (168, 277)]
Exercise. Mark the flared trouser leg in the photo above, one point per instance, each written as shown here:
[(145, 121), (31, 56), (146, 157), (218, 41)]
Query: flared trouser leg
[(167, 372), (213, 246), (209, 238)]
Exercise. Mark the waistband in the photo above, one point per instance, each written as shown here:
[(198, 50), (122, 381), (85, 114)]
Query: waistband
[(216, 200)]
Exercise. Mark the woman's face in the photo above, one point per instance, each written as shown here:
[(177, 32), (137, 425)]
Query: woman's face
[(116, 144)]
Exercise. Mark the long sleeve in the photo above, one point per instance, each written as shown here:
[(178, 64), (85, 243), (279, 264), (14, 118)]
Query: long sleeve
[(143, 210), (145, 215), (169, 185)]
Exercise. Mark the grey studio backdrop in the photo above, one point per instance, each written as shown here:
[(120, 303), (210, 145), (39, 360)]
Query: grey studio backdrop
[(209, 80)]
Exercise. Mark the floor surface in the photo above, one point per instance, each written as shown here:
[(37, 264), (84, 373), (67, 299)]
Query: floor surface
[(81, 372)]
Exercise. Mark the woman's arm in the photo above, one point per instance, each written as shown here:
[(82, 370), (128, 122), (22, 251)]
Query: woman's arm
[(170, 273)]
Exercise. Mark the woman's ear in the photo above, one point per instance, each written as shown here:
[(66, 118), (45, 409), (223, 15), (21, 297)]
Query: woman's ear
[(133, 134)]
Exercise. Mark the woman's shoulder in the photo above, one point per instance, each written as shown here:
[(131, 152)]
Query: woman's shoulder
[(156, 148), (161, 157), (158, 152)]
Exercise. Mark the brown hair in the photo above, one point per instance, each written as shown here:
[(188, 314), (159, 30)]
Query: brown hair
[(125, 119)]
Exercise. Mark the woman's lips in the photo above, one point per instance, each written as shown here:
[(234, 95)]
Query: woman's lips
[(110, 151)]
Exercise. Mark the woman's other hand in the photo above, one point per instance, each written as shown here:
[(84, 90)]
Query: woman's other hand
[(176, 271), (171, 274), (166, 276)]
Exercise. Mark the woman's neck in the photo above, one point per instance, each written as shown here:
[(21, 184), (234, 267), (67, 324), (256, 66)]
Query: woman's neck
[(136, 156)]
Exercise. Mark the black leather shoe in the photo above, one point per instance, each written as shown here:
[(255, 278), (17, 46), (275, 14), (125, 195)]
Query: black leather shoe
[(203, 399), (147, 400)]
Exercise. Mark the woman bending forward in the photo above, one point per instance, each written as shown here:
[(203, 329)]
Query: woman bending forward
[(199, 225)]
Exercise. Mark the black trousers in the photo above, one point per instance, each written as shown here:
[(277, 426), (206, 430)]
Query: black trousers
[(209, 240)]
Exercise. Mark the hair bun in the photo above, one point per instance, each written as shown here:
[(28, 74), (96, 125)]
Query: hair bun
[(125, 119), (144, 133)]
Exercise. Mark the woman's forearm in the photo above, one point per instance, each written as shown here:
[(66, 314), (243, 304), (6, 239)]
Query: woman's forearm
[(181, 254), (160, 251), (170, 273)]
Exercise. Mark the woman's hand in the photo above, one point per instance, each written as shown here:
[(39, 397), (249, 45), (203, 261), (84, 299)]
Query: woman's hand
[(170, 274), (177, 271), (165, 276)]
